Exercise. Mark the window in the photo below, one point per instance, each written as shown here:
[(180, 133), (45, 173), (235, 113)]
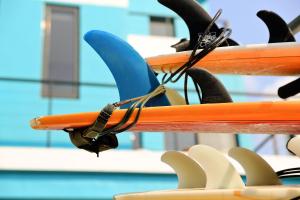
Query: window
[(162, 26), (61, 52)]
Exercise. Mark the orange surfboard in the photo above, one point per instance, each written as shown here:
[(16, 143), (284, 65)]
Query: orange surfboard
[(259, 117), (265, 59)]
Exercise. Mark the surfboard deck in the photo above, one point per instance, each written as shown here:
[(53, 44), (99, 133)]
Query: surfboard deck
[(261, 59), (258, 117), (258, 193)]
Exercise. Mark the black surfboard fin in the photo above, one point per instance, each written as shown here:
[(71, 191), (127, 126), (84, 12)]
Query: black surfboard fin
[(182, 45), (278, 29), (212, 90), (197, 20), (290, 89)]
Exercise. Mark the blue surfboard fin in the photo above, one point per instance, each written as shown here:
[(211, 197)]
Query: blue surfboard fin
[(133, 76)]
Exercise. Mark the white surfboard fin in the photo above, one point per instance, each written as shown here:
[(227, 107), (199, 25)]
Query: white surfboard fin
[(258, 171), (189, 172), (220, 173), (293, 145)]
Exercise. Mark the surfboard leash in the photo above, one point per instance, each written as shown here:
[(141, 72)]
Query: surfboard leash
[(289, 173), (207, 42), (98, 137)]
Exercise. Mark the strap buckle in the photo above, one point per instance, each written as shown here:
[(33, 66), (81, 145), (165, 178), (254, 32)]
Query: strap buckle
[(98, 126)]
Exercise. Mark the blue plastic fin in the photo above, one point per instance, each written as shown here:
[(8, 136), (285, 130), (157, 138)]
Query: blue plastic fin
[(132, 74)]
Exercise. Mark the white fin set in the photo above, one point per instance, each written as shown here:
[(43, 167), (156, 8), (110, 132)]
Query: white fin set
[(205, 167)]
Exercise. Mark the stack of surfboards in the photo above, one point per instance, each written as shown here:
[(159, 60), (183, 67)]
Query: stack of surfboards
[(205, 173)]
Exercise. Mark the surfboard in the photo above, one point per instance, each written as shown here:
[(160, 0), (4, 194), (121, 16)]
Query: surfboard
[(253, 193), (278, 59), (257, 117)]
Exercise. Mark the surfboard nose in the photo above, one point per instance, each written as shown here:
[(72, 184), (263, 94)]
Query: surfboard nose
[(132, 74)]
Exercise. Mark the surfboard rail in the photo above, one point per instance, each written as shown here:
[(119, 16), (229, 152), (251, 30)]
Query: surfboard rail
[(254, 193)]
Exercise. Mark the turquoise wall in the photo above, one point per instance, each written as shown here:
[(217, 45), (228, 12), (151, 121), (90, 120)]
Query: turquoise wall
[(76, 185), (20, 57)]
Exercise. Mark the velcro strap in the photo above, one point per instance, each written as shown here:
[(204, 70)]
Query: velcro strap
[(97, 127)]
